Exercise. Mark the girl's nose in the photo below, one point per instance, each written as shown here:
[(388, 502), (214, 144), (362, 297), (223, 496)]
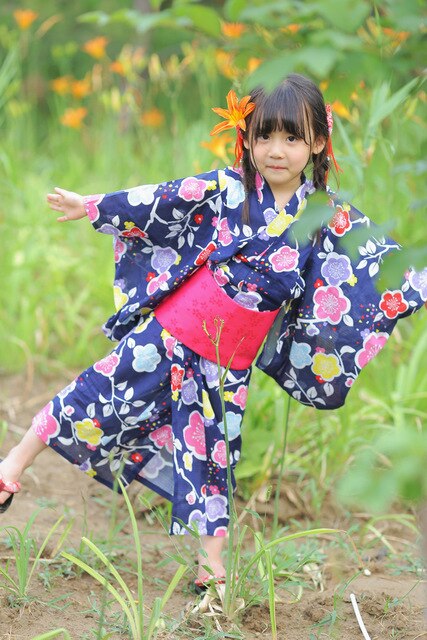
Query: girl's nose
[(277, 149)]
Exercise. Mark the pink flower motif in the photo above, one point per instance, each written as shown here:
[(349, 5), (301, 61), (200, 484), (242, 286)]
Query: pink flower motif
[(92, 447), (285, 259), (45, 425), (89, 203), (163, 437), (170, 344), (349, 382), (213, 488), (119, 249), (214, 221), (393, 303), (259, 182), (156, 283), (221, 532), (372, 344), (224, 235), (220, 277), (194, 435), (192, 189), (241, 396), (190, 497), (68, 410), (330, 304), (107, 366), (219, 454), (251, 287)]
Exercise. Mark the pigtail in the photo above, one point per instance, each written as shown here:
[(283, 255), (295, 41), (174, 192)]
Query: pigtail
[(249, 174), (320, 170)]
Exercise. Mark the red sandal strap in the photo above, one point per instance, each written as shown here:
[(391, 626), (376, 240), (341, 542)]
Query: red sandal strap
[(10, 487)]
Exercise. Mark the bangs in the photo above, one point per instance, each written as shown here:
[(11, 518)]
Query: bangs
[(282, 110)]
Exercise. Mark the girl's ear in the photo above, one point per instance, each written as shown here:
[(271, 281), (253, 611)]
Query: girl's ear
[(245, 143), (319, 145)]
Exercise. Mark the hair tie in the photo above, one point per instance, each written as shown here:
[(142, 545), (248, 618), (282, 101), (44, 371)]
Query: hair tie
[(234, 116), (329, 149)]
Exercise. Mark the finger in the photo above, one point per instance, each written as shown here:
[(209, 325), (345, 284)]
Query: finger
[(62, 219), (53, 197), (62, 192), (56, 207)]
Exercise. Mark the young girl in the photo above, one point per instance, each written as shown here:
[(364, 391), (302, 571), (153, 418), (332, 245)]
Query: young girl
[(190, 255)]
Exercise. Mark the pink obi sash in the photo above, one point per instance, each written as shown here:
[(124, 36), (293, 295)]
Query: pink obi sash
[(201, 300)]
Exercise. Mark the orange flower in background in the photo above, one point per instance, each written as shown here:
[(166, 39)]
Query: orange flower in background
[(291, 28), (152, 118), (80, 88), (323, 85), (117, 67), (61, 85), (24, 18), (96, 47), (235, 113), (224, 61), (341, 110), (232, 29), (218, 146), (396, 36), (253, 63), (73, 118)]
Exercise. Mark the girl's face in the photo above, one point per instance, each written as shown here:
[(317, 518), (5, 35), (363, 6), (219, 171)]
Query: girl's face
[(281, 157)]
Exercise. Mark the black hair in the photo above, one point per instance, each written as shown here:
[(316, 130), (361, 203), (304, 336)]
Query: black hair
[(297, 106)]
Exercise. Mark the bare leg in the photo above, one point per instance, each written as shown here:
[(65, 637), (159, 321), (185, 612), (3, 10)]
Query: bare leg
[(213, 546), (19, 458)]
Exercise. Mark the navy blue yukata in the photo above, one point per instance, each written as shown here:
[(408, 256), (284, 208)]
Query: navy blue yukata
[(151, 409)]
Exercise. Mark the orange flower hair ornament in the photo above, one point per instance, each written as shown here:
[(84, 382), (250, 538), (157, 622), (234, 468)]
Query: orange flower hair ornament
[(234, 115), (329, 149)]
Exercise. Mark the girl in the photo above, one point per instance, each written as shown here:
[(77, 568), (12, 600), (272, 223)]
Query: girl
[(219, 250)]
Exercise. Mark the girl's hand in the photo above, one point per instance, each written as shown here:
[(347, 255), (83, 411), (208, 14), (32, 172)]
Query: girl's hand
[(70, 204)]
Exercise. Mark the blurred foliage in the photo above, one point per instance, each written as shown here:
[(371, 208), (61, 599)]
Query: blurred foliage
[(97, 100)]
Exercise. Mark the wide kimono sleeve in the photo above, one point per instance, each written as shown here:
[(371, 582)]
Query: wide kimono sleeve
[(321, 341), (161, 233)]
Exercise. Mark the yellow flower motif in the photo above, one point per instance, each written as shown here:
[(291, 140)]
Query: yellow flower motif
[(87, 432), (175, 395), (188, 460), (120, 298), (228, 396), (24, 18), (222, 180), (144, 323), (279, 224), (326, 366), (129, 224), (208, 412), (91, 473), (211, 186), (178, 259), (352, 280)]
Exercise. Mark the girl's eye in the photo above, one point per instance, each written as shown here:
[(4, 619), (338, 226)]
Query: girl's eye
[(292, 139), (264, 136)]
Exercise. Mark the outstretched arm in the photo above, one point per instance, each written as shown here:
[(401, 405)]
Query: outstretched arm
[(68, 203)]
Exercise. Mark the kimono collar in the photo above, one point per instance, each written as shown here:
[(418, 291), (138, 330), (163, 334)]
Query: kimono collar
[(263, 189)]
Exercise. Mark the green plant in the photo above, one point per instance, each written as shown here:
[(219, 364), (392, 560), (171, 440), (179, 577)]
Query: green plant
[(139, 627), (26, 558)]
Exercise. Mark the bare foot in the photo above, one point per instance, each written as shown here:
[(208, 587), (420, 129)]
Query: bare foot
[(216, 566), (11, 469)]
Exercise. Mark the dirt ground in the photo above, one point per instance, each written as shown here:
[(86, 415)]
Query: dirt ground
[(391, 605)]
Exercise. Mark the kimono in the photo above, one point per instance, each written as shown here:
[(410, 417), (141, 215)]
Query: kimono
[(150, 411)]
